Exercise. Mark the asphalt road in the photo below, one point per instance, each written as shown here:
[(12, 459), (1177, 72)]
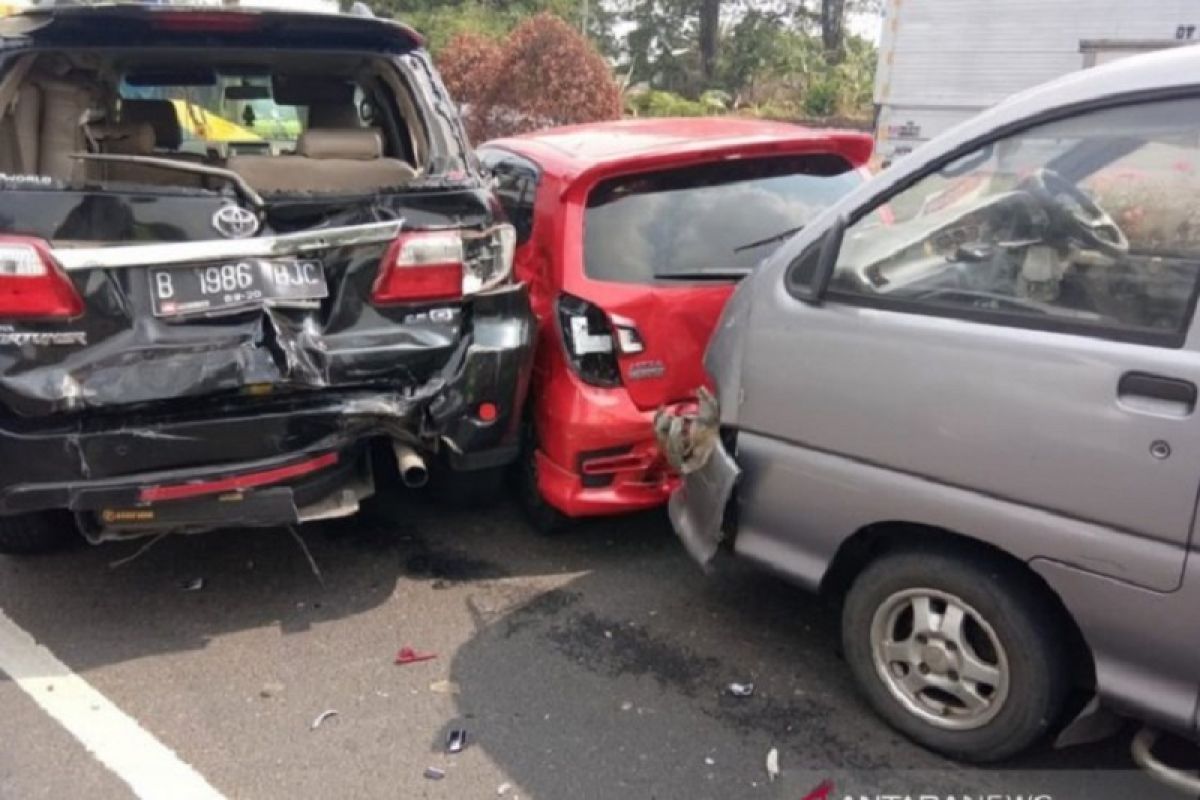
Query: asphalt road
[(587, 666)]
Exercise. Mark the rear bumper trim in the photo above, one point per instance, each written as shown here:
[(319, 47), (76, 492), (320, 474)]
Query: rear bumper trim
[(185, 254), (236, 483)]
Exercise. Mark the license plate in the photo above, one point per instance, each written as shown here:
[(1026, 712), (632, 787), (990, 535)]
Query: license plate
[(214, 288)]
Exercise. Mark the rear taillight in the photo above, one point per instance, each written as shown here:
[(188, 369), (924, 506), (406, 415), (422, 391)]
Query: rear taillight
[(444, 264), (32, 286), (629, 339), (588, 339)]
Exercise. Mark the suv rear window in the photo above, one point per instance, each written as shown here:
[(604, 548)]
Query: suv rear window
[(713, 221), (280, 122)]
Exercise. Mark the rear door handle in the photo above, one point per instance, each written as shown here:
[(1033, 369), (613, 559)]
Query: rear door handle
[(1143, 391)]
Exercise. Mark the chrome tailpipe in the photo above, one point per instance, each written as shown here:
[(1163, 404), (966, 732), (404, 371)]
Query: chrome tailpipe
[(413, 471)]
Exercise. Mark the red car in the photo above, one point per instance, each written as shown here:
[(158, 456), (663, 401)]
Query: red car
[(631, 237)]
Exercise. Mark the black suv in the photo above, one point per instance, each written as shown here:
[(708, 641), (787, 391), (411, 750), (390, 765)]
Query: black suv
[(237, 248)]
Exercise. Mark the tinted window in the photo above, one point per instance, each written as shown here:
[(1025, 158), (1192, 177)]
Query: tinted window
[(516, 182), (711, 221), (1085, 224)]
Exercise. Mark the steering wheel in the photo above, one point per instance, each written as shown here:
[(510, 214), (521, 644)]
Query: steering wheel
[(1091, 224)]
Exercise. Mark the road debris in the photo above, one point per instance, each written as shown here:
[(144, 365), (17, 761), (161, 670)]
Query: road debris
[(627, 706), (773, 764), (270, 689), (709, 760), (434, 774), (443, 687), (503, 789), (409, 656), (194, 585), (324, 715), (740, 689), (312, 562), (456, 740), (120, 562)]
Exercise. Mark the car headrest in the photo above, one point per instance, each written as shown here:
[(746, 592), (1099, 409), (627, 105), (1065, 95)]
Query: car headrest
[(359, 145), (127, 138), (333, 115), (160, 114)]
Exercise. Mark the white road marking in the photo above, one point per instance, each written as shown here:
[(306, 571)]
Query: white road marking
[(117, 741)]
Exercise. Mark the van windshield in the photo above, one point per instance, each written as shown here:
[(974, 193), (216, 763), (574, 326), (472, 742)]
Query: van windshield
[(713, 221)]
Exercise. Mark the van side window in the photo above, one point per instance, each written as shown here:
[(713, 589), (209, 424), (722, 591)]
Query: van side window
[(1085, 225), (516, 186)]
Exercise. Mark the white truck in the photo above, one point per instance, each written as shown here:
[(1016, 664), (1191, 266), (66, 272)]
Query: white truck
[(942, 61)]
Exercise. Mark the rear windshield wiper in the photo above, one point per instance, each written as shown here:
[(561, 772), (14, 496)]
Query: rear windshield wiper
[(705, 275), (769, 240)]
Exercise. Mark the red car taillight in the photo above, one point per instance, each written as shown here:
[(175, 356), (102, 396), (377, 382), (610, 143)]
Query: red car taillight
[(32, 286), (444, 264), (588, 336)]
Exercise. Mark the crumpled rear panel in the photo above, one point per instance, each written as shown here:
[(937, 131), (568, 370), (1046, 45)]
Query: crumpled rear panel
[(118, 354)]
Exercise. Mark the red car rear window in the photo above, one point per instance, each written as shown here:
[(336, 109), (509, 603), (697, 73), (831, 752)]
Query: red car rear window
[(707, 222)]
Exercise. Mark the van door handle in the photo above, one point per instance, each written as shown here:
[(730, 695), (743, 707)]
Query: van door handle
[(1143, 391)]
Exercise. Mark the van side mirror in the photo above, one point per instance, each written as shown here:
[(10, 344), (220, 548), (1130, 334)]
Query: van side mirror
[(809, 275)]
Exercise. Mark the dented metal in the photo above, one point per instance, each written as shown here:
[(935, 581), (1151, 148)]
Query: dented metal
[(691, 441)]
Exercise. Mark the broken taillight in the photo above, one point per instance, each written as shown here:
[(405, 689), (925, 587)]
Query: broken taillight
[(588, 339), (444, 264), (32, 285)]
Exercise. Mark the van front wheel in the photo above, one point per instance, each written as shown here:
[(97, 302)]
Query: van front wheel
[(957, 650)]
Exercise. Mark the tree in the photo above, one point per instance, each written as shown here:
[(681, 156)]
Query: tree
[(542, 74), (468, 66), (710, 37), (833, 22)]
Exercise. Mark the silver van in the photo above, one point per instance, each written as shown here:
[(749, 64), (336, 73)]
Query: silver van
[(965, 398)]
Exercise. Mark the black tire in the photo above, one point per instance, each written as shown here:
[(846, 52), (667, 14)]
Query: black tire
[(545, 518), (32, 534), (1023, 620)]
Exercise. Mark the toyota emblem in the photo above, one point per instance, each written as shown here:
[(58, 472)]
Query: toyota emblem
[(235, 222)]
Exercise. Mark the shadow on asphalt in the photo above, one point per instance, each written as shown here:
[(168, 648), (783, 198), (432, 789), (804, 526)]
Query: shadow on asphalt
[(609, 684), (613, 684)]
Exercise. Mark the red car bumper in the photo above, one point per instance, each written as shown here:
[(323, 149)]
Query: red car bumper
[(597, 453)]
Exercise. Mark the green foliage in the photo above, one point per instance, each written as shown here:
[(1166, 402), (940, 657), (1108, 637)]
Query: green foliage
[(657, 103), (772, 59), (440, 21)]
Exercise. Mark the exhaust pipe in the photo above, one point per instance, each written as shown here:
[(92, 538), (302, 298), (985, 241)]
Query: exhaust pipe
[(1143, 755), (413, 471)]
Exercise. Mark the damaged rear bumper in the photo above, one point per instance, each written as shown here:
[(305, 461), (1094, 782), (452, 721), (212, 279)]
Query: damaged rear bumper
[(105, 460), (699, 507)]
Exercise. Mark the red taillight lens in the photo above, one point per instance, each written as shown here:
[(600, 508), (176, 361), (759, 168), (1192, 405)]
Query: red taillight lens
[(32, 286), (423, 265)]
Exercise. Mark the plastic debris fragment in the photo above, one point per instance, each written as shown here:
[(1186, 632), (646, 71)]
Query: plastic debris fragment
[(456, 740), (773, 764), (324, 715), (407, 655)]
